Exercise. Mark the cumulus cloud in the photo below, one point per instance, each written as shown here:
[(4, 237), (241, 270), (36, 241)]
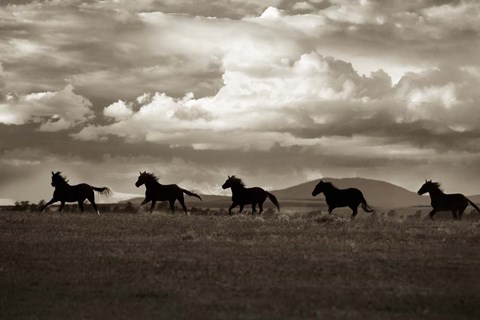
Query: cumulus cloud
[(118, 110), (54, 111), (300, 102)]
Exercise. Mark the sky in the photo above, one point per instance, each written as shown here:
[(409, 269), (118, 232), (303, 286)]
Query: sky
[(277, 92)]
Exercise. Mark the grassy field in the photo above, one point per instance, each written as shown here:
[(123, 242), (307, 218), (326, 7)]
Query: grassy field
[(160, 266)]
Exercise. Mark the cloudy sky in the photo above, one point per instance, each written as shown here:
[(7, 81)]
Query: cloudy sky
[(277, 92)]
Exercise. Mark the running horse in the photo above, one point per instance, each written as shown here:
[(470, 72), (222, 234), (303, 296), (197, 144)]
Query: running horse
[(242, 196), (65, 192), (337, 198), (440, 201), (154, 191)]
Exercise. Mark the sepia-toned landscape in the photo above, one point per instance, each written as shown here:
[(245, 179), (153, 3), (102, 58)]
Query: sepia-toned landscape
[(239, 159)]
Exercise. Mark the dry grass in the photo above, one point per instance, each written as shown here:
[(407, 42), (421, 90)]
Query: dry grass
[(120, 266)]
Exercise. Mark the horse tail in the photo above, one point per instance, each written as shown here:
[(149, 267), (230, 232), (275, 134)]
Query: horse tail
[(273, 199), (365, 206), (105, 191), (191, 194), (474, 205)]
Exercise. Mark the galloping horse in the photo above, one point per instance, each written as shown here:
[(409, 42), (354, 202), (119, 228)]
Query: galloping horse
[(242, 196), (154, 191), (337, 198), (77, 193), (457, 202)]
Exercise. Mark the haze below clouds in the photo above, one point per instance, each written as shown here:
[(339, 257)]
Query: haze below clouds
[(276, 92)]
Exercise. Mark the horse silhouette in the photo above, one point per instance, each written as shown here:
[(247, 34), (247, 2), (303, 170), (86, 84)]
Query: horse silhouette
[(337, 198), (456, 202), (77, 193), (242, 196), (154, 191)]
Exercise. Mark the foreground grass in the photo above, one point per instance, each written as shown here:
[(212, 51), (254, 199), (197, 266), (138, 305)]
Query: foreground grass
[(218, 267)]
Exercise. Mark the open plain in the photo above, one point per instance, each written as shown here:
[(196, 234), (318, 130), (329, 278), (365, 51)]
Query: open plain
[(206, 266)]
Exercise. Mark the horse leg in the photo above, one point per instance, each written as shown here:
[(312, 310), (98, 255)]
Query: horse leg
[(254, 208), (260, 205), (92, 201), (182, 202), (241, 208), (354, 211), (53, 200), (61, 206), (80, 205), (454, 214), (461, 211), (152, 206), (330, 209), (172, 205), (432, 213), (142, 203), (231, 207)]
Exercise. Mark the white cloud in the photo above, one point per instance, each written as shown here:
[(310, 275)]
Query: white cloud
[(118, 110), (296, 102), (271, 13), (252, 110), (462, 16), (303, 6), (446, 96), (53, 110)]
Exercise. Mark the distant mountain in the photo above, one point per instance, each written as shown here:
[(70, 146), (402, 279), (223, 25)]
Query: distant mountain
[(377, 193)]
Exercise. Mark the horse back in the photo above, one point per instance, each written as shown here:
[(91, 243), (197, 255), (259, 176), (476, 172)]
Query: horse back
[(351, 193), (344, 197), (449, 201), (164, 192), (73, 193), (249, 195)]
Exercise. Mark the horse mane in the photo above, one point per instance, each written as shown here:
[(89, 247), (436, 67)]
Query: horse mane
[(236, 181), (329, 185), (436, 185), (64, 178), (151, 176)]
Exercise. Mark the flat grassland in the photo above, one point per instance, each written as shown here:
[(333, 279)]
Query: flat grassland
[(278, 266)]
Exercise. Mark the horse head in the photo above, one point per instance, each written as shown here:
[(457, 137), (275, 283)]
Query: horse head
[(427, 187), (141, 179), (228, 183), (233, 182), (57, 179), (318, 188)]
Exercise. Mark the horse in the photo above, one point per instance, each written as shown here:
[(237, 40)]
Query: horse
[(242, 196), (456, 202), (154, 191), (337, 198), (65, 192)]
